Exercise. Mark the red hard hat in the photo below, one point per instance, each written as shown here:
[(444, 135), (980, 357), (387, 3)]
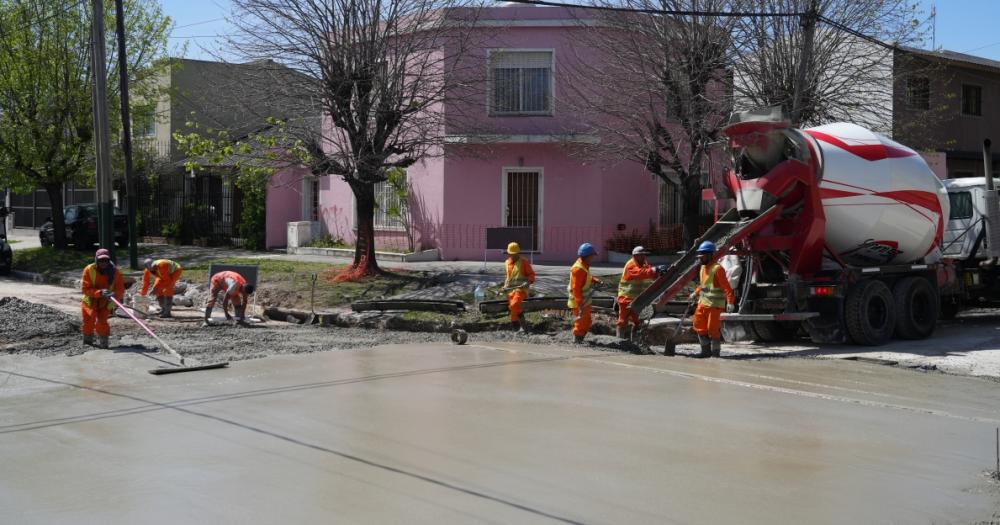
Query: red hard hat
[(103, 253)]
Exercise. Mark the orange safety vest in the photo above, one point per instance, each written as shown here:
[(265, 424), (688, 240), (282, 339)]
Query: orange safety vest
[(588, 294), (90, 276), (631, 288), (711, 295), (514, 277)]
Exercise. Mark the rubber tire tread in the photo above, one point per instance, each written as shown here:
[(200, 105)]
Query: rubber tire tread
[(856, 313), (902, 292)]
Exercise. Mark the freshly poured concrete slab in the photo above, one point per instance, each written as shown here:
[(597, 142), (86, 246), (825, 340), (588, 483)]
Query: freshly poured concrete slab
[(492, 434)]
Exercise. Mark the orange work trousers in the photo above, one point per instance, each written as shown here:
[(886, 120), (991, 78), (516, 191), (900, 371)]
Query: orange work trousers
[(625, 313), (581, 321), (96, 316), (708, 321), (164, 287), (515, 302)]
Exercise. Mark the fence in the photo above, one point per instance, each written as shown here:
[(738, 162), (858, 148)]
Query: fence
[(204, 208)]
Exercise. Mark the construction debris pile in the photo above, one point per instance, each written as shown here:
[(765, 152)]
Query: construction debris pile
[(39, 329)]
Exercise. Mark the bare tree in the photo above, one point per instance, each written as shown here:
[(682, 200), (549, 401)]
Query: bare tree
[(847, 77), (654, 88), (380, 73)]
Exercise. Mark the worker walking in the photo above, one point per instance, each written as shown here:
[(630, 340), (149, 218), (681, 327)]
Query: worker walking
[(714, 295), (580, 291), (519, 276), (636, 277), (235, 290), (101, 280), (167, 273)]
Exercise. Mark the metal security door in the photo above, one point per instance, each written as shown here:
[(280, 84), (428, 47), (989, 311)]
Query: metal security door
[(523, 202)]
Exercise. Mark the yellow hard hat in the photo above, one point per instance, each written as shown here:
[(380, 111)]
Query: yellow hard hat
[(513, 248)]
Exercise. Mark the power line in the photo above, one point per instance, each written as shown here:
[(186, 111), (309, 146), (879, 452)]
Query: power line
[(673, 12), (203, 22)]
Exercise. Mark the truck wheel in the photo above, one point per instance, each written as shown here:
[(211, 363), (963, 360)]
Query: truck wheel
[(775, 331), (917, 308), (870, 313)]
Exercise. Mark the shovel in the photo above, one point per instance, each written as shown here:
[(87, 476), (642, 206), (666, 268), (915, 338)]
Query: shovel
[(312, 303), (159, 371), (670, 348)]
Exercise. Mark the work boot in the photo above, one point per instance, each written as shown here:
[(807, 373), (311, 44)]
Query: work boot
[(88, 339), (102, 342), (716, 348), (578, 339), (166, 306), (706, 347), (523, 323), (620, 332)]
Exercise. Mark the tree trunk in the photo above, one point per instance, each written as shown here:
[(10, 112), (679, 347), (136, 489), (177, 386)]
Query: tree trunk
[(691, 207), (364, 251), (54, 190)]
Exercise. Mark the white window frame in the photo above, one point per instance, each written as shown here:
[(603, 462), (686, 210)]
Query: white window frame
[(401, 227), (489, 83), (541, 200)]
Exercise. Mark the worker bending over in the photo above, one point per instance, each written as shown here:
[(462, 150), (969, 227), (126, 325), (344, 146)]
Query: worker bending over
[(636, 277), (234, 289), (580, 291), (520, 276), (714, 295), (101, 280), (167, 273)]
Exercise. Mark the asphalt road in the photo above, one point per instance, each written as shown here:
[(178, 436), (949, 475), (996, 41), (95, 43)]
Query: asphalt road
[(509, 433)]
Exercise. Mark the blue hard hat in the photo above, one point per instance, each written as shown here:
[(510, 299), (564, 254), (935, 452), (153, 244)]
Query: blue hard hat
[(706, 247), (585, 250)]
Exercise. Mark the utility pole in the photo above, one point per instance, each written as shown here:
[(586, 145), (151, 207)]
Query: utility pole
[(130, 182), (808, 31), (102, 144)]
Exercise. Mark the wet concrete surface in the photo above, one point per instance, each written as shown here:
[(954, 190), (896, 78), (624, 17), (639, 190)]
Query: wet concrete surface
[(498, 433)]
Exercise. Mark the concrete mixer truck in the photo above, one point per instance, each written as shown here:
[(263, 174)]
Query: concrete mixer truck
[(836, 233)]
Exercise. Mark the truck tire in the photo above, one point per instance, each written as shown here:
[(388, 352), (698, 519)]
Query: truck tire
[(870, 313), (917, 308)]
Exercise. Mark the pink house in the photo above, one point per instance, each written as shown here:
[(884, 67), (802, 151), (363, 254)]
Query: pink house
[(523, 172)]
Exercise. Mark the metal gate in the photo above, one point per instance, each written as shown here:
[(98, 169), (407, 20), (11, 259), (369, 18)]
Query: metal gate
[(522, 201), (207, 206), (31, 210)]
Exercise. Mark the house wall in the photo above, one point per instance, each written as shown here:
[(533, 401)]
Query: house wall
[(579, 202), (284, 205)]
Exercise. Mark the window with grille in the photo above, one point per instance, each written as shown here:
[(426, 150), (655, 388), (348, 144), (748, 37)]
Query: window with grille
[(520, 82), (390, 204), (972, 100), (918, 93), (668, 204), (314, 199), (522, 199)]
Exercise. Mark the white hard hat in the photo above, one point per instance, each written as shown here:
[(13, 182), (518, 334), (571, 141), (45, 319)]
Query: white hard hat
[(639, 250)]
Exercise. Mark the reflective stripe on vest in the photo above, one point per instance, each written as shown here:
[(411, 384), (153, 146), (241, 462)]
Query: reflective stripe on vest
[(711, 296), (516, 280), (587, 293), (92, 274), (633, 288)]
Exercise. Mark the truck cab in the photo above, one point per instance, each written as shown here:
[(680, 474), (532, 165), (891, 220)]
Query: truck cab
[(964, 235)]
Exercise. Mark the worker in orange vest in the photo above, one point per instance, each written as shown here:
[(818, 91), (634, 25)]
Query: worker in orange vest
[(580, 292), (167, 273), (519, 276), (101, 280), (235, 290), (636, 277), (714, 295)]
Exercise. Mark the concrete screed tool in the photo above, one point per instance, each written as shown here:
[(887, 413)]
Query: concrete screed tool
[(160, 371)]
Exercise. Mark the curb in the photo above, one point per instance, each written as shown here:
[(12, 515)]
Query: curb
[(58, 280)]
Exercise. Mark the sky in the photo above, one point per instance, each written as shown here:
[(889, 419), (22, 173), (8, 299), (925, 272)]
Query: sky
[(966, 26)]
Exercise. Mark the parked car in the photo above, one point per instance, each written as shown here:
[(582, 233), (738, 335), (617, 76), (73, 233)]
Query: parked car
[(81, 227), (6, 255)]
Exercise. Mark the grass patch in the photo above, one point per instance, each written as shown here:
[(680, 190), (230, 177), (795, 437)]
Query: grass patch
[(15, 241), (49, 261), (288, 283)]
